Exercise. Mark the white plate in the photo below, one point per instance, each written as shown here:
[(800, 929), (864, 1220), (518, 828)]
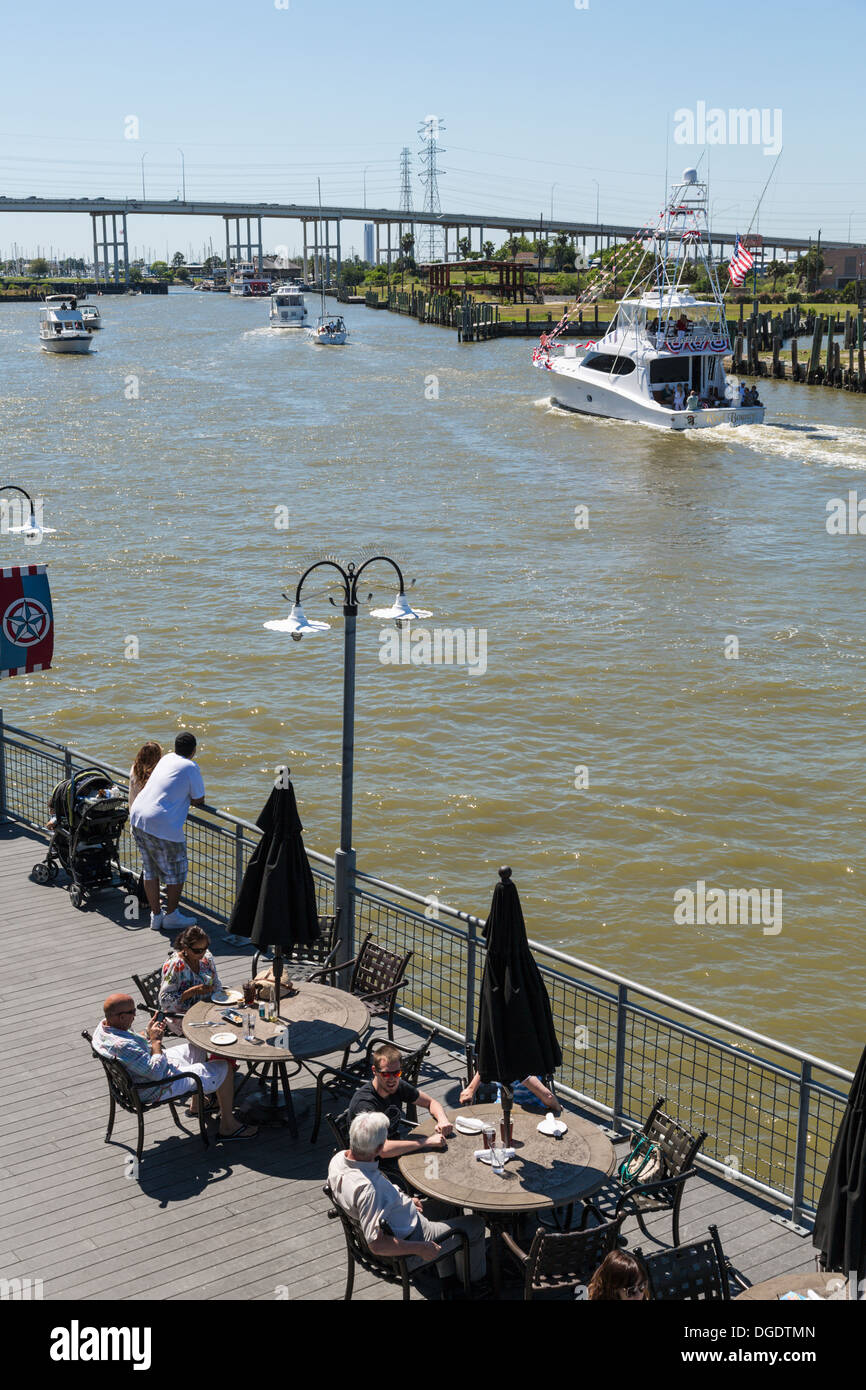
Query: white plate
[(223, 1039), (227, 996), (551, 1125), (468, 1124)]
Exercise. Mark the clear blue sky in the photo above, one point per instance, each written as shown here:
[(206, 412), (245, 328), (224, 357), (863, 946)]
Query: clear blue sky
[(538, 100)]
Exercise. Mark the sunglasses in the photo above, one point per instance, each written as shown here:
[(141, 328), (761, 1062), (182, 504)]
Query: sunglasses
[(196, 950), (397, 1072), (635, 1290)]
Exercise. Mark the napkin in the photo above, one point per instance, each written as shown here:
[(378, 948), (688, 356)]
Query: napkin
[(486, 1156)]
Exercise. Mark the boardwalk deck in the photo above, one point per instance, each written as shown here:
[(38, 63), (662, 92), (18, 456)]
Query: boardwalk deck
[(245, 1222)]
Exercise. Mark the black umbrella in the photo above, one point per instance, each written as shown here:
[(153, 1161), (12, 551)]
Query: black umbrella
[(840, 1222), (276, 905), (516, 1037)]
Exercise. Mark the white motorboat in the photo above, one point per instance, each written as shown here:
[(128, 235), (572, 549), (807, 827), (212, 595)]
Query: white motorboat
[(246, 284), (330, 330), (661, 360), (61, 325), (288, 309), (91, 315)]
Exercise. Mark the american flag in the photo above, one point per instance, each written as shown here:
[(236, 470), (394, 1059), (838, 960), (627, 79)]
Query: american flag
[(741, 263)]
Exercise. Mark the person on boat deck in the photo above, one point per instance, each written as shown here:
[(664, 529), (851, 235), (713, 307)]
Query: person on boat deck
[(693, 402), (742, 394), (679, 396), (653, 326), (682, 324), (533, 1090)]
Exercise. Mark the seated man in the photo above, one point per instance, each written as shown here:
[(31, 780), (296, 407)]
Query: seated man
[(145, 1060), (693, 401), (369, 1197), (386, 1093)]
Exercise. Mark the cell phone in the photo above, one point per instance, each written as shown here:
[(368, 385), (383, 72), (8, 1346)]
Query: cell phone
[(160, 1016)]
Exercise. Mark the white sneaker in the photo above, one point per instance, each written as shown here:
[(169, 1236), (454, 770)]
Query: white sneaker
[(156, 921), (178, 919)]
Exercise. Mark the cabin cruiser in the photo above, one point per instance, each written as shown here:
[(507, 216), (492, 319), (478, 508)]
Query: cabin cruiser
[(330, 330), (91, 315), (661, 361), (61, 325), (288, 309), (246, 284)]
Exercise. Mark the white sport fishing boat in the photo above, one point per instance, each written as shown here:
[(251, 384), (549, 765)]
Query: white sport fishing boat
[(661, 360), (246, 284), (91, 315), (61, 325), (288, 309)]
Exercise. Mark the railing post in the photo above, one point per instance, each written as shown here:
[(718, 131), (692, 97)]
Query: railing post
[(469, 1015), (239, 858), (2, 770), (67, 762), (793, 1223), (619, 1060), (344, 898)]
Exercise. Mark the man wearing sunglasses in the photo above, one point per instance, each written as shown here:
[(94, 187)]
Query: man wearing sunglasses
[(145, 1060), (386, 1093)]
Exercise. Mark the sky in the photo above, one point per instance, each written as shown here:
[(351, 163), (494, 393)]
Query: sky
[(566, 106)]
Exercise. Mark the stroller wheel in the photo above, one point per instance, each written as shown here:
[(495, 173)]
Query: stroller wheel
[(51, 866), (41, 873), (76, 895)]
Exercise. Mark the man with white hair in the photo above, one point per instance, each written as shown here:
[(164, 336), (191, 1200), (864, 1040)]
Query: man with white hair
[(368, 1197)]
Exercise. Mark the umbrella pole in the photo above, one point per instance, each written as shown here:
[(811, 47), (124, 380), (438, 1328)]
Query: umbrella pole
[(278, 975), (507, 1102)]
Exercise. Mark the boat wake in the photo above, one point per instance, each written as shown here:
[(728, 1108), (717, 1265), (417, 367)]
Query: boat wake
[(823, 446)]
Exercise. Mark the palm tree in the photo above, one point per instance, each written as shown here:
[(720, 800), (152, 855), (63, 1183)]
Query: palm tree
[(488, 248)]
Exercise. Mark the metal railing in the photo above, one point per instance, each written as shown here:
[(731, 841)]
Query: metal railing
[(771, 1111)]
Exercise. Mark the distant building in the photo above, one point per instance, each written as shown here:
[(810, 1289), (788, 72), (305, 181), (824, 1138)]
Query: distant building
[(280, 268), (369, 243), (841, 265)]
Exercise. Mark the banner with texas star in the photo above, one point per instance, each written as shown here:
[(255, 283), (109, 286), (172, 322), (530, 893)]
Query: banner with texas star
[(26, 620)]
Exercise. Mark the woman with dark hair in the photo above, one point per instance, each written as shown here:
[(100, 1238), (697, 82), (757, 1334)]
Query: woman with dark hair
[(146, 760), (189, 974), (620, 1276)]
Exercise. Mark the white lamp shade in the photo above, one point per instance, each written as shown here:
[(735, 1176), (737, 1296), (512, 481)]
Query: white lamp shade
[(297, 623), (32, 528), (400, 611)]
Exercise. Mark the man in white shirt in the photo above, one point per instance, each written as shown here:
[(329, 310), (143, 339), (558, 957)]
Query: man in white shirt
[(157, 819), (365, 1194)]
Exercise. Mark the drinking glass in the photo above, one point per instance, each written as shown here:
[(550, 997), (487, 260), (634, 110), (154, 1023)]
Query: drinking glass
[(249, 989), (250, 1034)]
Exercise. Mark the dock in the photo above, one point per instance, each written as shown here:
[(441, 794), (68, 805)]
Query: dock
[(231, 1222)]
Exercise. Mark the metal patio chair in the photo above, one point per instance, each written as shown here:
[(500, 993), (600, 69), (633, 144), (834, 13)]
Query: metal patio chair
[(696, 1271), (394, 1270), (678, 1148), (309, 959), (377, 975), (561, 1261), (131, 1096)]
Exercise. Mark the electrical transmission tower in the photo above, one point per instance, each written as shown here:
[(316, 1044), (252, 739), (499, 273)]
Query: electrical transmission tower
[(428, 133), (405, 180)]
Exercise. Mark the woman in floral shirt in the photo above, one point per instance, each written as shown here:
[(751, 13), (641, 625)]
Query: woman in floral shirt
[(189, 974)]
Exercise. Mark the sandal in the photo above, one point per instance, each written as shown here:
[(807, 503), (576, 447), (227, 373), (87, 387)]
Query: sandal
[(245, 1132), (210, 1105)]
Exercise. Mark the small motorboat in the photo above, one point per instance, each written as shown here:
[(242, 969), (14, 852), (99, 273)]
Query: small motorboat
[(62, 327)]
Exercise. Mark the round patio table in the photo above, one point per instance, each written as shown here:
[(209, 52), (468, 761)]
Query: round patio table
[(770, 1290), (319, 1020), (546, 1172)]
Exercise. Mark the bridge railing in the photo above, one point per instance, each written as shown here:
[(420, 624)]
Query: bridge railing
[(771, 1111)]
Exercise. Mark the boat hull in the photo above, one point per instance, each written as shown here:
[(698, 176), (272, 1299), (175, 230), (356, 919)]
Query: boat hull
[(587, 396), (78, 345)]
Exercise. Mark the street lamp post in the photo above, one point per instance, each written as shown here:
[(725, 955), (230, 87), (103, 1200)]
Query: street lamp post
[(183, 173), (297, 625), (143, 158), (32, 529)]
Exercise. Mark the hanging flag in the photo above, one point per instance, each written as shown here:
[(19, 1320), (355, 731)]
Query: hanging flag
[(741, 263), (26, 621)]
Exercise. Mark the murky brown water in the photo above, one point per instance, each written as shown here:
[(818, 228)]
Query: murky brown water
[(605, 648)]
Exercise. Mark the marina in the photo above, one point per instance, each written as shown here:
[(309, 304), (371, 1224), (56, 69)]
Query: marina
[(427, 771)]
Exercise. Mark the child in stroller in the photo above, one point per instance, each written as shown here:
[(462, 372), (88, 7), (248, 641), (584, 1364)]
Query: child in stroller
[(88, 813)]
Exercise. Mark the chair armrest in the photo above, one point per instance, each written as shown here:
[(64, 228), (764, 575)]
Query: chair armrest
[(382, 993), (648, 1189), (328, 968), (515, 1249), (167, 1081)]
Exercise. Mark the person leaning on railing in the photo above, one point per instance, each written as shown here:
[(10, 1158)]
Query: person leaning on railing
[(157, 819)]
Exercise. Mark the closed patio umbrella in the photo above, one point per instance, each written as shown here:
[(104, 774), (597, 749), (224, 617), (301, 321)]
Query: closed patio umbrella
[(516, 1037), (276, 905), (840, 1222)]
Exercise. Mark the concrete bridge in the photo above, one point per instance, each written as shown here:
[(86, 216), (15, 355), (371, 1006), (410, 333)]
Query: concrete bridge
[(243, 228)]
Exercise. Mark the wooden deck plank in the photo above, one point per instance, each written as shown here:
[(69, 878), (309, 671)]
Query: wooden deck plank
[(217, 1223)]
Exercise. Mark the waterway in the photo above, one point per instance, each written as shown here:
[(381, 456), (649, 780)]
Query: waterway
[(166, 458)]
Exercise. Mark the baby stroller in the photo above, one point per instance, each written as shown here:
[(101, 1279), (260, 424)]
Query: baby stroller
[(88, 813)]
